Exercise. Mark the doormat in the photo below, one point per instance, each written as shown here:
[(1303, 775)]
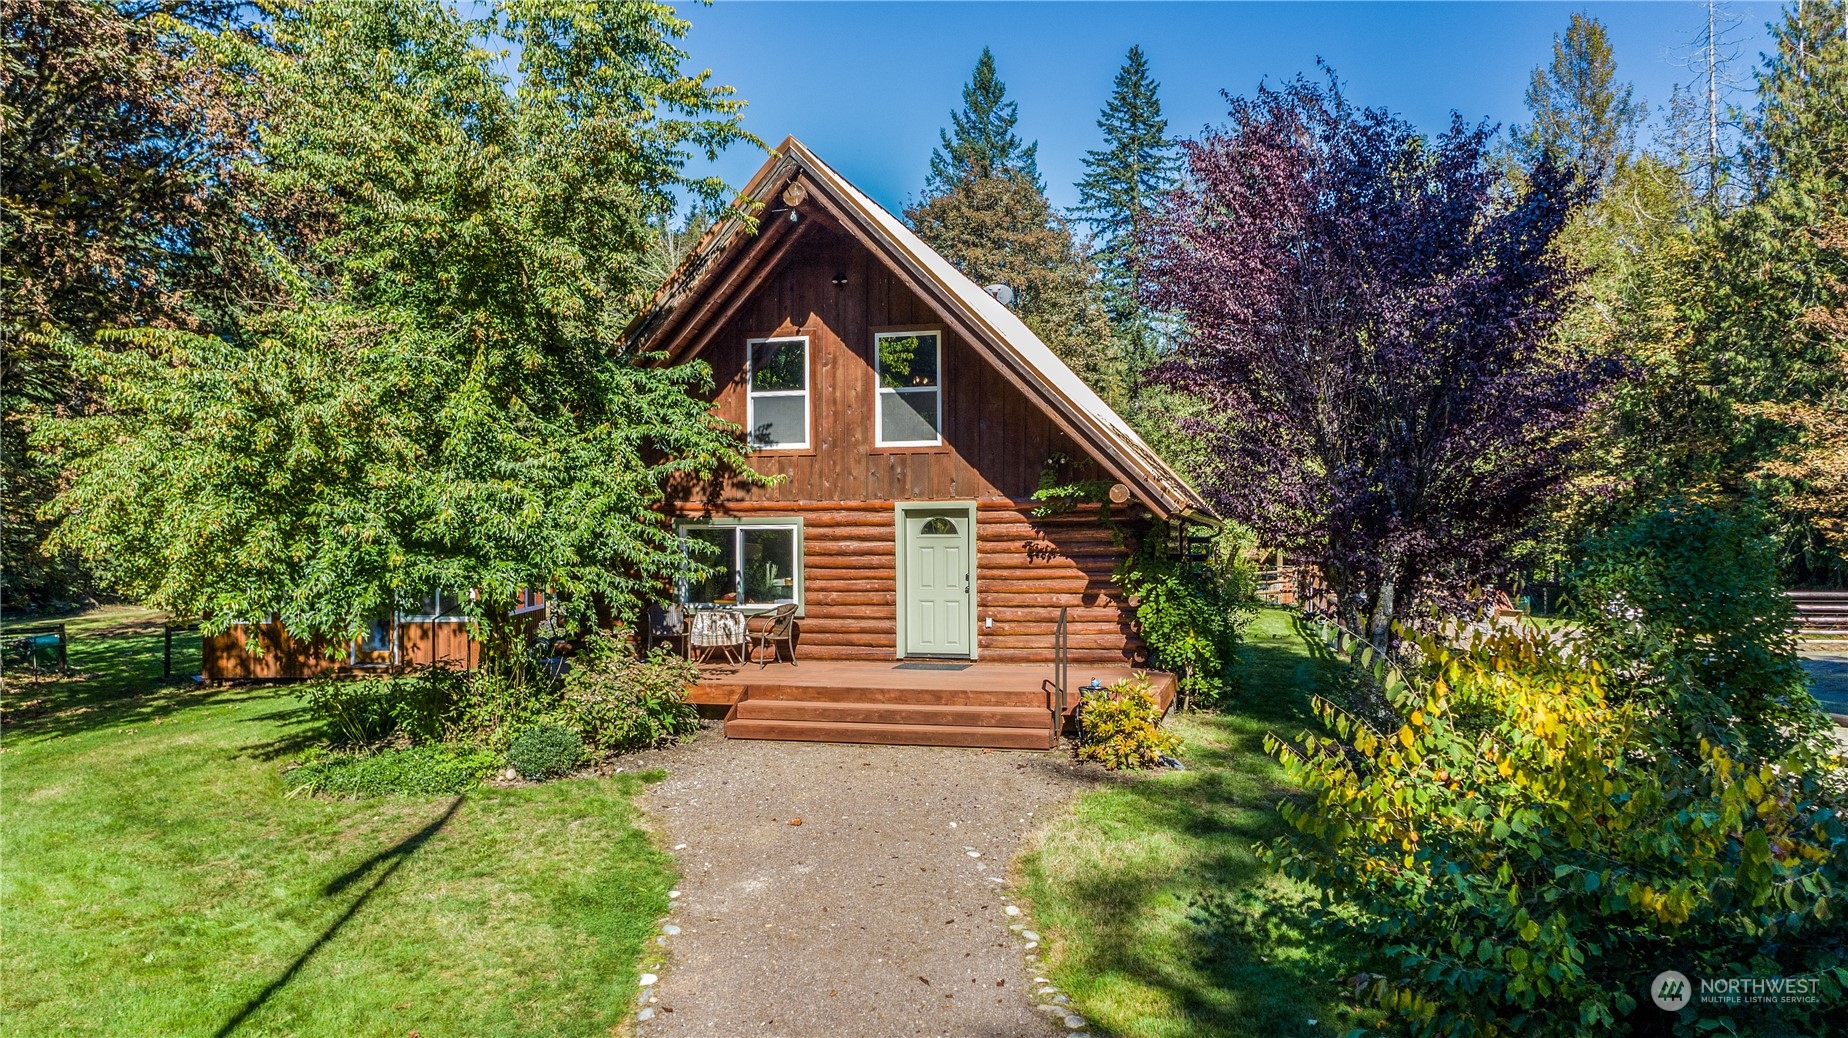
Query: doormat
[(933, 666)]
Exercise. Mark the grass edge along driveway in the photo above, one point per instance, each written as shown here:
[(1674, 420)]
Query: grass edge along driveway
[(154, 879), (1115, 883)]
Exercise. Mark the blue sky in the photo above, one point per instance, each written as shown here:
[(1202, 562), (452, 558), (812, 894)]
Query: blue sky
[(868, 85)]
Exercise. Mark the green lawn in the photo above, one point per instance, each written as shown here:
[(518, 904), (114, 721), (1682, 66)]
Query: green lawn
[(155, 880), (1111, 882)]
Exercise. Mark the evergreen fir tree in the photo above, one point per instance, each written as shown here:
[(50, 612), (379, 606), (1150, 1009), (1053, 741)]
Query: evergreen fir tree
[(985, 210), (981, 141), (1136, 167), (1776, 266), (1583, 118)]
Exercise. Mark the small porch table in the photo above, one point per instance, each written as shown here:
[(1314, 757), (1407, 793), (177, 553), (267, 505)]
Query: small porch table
[(721, 629)]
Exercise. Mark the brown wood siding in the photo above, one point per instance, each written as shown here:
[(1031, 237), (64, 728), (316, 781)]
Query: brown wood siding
[(226, 656), (995, 440), (995, 444)]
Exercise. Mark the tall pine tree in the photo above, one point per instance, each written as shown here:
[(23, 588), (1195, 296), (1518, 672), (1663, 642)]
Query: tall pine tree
[(985, 210), (1123, 181), (981, 141)]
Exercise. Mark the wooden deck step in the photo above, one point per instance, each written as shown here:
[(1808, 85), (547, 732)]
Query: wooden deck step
[(894, 713), (890, 734), (944, 696)]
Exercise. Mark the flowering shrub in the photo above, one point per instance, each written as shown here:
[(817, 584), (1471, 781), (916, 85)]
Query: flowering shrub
[(1120, 727)]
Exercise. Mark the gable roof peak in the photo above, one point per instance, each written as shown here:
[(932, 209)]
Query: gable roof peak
[(994, 330)]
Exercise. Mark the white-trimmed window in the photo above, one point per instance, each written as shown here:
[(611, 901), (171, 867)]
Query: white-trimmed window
[(378, 647), (908, 366), (434, 605), (777, 387), (754, 563)]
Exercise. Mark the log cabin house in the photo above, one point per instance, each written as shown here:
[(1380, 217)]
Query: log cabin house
[(911, 415)]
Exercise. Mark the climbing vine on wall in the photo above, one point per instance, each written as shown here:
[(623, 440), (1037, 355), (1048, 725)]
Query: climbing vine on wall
[(1190, 612)]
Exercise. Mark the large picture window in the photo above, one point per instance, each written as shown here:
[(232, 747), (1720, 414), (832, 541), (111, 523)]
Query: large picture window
[(753, 564), (778, 384), (910, 389)]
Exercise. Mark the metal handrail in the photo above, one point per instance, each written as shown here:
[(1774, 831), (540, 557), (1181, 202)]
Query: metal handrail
[(1061, 674)]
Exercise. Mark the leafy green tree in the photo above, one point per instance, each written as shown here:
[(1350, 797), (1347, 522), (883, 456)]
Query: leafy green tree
[(1123, 181), (981, 141), (1738, 376), (444, 401), (1583, 118), (1685, 605), (1634, 239), (116, 170), (1812, 465), (1768, 271), (985, 211)]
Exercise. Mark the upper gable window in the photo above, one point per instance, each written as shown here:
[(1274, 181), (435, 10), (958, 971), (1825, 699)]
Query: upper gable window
[(910, 389), (778, 383)]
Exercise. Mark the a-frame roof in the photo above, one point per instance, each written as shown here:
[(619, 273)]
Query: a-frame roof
[(730, 260)]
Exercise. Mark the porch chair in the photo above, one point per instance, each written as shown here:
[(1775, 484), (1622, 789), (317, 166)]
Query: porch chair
[(666, 623), (778, 626)]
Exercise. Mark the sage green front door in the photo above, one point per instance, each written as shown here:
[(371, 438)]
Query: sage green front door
[(939, 578)]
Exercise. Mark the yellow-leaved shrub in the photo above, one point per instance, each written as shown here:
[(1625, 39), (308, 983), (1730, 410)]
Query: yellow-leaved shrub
[(1121, 726)]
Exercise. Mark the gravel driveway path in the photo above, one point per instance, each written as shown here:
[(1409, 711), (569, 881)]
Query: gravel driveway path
[(882, 913)]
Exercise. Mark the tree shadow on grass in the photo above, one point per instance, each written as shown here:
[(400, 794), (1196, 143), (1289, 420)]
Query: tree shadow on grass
[(391, 858), (115, 681), (1248, 961), (299, 729), (1221, 980)]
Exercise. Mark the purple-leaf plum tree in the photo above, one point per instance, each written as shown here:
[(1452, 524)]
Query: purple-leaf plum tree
[(1366, 313)]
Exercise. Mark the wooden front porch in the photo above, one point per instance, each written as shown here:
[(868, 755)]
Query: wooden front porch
[(908, 702)]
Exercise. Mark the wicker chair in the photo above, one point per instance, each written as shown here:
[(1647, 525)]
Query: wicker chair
[(778, 626)]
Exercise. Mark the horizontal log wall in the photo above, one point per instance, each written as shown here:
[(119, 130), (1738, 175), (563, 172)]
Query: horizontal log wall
[(1026, 569)]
